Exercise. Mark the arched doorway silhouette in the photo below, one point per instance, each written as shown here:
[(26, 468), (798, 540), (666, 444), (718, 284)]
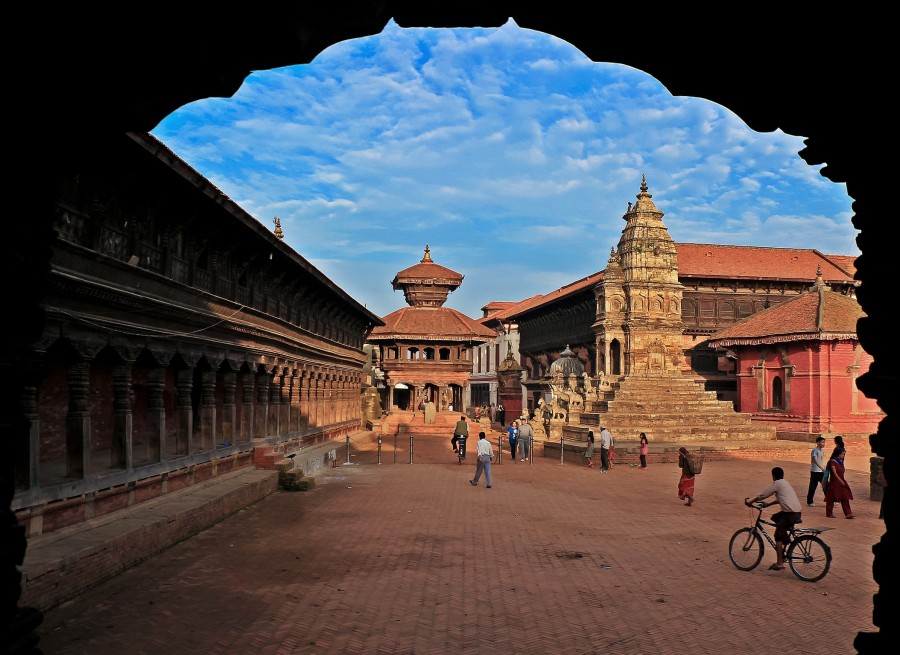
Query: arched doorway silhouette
[(758, 81)]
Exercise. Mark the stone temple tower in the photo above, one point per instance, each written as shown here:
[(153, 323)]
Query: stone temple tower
[(642, 303)]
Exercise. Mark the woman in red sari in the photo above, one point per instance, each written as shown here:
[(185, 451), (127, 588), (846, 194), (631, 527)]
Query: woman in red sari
[(838, 490), (686, 482)]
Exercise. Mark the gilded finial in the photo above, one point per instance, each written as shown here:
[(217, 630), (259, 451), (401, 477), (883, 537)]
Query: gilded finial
[(643, 182), (427, 257), (279, 233)]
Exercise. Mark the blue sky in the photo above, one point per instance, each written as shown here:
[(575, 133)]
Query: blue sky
[(507, 151)]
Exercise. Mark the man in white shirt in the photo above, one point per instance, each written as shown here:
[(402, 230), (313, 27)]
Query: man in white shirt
[(605, 444), (816, 469), (485, 456), (785, 519)]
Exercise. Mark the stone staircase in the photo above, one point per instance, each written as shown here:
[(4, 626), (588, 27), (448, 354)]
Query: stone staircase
[(399, 422), (669, 409)]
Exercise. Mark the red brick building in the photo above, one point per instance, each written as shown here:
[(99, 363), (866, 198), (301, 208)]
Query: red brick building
[(798, 362)]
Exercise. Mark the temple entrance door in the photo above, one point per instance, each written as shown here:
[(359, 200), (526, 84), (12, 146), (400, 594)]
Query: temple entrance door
[(432, 393), (401, 397), (456, 393), (615, 357)]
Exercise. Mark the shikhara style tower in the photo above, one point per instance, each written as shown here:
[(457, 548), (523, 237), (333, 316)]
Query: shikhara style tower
[(638, 328)]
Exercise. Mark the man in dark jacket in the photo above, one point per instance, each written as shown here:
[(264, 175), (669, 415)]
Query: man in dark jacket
[(461, 430)]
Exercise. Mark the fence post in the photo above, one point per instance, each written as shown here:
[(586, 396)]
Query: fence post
[(562, 447), (410, 449), (348, 449), (499, 449), (379, 449)]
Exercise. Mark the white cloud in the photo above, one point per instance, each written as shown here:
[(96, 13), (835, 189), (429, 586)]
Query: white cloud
[(487, 140)]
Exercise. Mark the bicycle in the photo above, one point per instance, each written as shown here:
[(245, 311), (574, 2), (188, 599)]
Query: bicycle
[(806, 553), (461, 447)]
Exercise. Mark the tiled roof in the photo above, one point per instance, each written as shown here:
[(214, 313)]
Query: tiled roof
[(729, 262), (846, 262), (755, 262), (806, 317), (499, 304), (428, 271), (430, 324), (553, 296), (511, 309)]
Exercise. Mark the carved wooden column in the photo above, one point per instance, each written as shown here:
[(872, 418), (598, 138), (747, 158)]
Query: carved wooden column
[(294, 425), (156, 414), (263, 382), (207, 409), (121, 455), (184, 412), (229, 433), (342, 409), (78, 422), (275, 404), (284, 402), (327, 399), (304, 399), (315, 399), (28, 462), (247, 410)]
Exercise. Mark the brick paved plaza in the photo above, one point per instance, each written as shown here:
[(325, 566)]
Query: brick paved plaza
[(400, 558)]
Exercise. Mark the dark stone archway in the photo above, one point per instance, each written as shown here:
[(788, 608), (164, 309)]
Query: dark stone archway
[(82, 76)]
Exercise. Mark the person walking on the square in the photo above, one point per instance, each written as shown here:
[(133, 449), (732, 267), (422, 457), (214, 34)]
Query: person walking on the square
[(816, 469), (686, 481), (513, 434), (526, 439), (483, 461), (501, 415), (605, 445), (644, 448), (589, 451), (838, 490)]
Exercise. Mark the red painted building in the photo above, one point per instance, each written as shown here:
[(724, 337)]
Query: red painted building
[(798, 362)]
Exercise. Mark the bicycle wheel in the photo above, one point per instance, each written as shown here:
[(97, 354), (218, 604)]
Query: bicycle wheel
[(745, 549), (809, 557)]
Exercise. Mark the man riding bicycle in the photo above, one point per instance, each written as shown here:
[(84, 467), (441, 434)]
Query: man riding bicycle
[(460, 434), (784, 520)]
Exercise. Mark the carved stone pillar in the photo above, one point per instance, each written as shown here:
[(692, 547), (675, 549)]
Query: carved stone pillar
[(263, 382), (247, 410), (156, 414), (184, 412), (28, 462), (229, 410), (120, 454), (207, 409), (78, 422)]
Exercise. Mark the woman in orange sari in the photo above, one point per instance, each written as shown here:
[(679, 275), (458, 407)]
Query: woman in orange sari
[(686, 482), (838, 490)]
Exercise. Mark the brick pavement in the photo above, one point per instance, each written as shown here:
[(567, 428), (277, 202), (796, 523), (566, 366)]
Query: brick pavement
[(400, 558)]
